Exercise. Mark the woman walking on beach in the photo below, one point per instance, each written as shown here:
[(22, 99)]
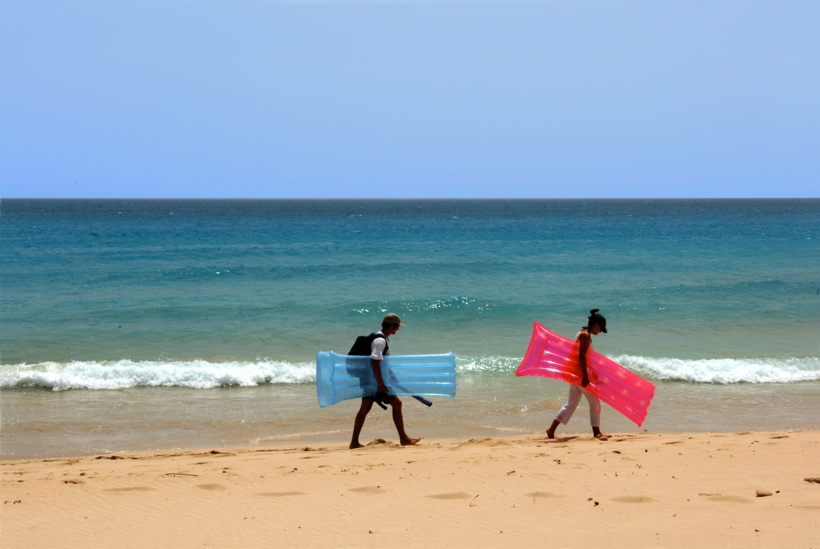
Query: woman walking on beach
[(595, 325)]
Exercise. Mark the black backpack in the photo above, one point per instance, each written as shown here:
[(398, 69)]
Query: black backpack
[(362, 345)]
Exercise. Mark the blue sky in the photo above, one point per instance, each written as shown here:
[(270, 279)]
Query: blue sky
[(433, 99)]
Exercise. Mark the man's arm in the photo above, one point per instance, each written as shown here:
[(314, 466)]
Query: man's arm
[(377, 373)]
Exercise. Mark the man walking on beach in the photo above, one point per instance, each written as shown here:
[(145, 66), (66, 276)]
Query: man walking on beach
[(379, 348)]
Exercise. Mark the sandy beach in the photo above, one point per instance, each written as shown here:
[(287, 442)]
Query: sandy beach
[(754, 489)]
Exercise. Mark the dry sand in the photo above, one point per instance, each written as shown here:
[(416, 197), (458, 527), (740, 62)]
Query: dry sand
[(649, 490)]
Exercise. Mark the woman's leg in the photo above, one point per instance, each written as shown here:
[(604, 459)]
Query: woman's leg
[(566, 411), (595, 415)]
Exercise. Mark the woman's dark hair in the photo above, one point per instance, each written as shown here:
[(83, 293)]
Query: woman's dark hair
[(596, 318)]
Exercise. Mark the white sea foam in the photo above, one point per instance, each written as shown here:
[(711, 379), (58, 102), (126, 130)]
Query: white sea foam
[(196, 374), (718, 370), (724, 370), (488, 364), (201, 374)]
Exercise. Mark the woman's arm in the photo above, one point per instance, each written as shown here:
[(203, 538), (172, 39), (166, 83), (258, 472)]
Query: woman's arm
[(583, 347)]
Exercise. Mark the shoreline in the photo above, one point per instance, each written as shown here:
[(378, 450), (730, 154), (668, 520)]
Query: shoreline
[(46, 424), (387, 436), (642, 489)]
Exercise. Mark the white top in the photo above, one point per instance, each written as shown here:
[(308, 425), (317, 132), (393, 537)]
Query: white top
[(377, 347), (590, 339)]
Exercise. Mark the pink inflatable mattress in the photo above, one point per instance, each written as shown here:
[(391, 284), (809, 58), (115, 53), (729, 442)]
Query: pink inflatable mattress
[(551, 355)]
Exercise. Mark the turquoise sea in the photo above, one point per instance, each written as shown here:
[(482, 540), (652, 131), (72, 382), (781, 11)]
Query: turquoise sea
[(145, 324)]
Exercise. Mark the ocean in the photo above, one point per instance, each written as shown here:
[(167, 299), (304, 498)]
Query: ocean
[(155, 324)]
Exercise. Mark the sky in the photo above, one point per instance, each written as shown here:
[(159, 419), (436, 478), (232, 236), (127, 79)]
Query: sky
[(409, 99)]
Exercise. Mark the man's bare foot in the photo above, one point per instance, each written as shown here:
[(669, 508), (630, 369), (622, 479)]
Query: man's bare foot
[(601, 436), (409, 441), (354, 445), (550, 433)]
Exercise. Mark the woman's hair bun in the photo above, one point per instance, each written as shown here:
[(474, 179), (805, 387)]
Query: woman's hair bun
[(597, 318)]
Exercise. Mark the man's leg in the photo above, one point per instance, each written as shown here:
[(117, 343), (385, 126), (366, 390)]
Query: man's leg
[(367, 403), (398, 420)]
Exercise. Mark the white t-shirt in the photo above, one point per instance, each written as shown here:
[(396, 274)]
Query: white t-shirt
[(377, 347)]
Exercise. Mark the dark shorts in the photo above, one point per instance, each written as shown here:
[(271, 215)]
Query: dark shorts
[(384, 398)]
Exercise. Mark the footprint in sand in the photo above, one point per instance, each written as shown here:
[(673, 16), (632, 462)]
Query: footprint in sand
[(543, 495), (730, 499), (451, 495), (369, 490), (211, 487), (486, 441), (633, 499)]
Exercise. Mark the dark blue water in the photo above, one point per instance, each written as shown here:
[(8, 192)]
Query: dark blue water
[(182, 279)]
